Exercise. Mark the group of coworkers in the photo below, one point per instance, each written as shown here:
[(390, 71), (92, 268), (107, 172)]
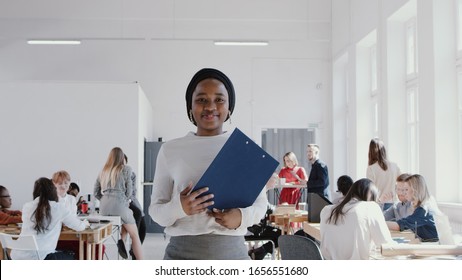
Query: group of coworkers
[(349, 228), (361, 218), (55, 205), (387, 200)]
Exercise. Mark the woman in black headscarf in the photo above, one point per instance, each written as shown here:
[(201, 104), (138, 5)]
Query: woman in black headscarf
[(198, 233)]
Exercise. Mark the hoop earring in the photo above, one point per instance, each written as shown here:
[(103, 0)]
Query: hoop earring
[(191, 116)]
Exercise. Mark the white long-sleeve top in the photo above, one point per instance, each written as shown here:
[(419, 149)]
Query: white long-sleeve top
[(356, 233), (48, 240), (385, 180), (179, 162), (70, 202)]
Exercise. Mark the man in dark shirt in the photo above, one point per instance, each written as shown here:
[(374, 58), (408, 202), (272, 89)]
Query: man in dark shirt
[(318, 181)]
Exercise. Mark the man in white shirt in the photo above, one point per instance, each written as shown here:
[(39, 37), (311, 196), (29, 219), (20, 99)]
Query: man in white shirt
[(62, 180)]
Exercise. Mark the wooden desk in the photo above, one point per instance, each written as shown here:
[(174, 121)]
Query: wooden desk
[(420, 250), (314, 229), (94, 235), (412, 249), (285, 221)]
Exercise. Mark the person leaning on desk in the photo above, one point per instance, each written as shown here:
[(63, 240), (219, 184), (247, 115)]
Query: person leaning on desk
[(8, 216), (403, 207), (350, 229), (421, 222), (44, 217)]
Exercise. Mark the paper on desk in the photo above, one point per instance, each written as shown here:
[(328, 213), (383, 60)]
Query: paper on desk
[(420, 249), (238, 173)]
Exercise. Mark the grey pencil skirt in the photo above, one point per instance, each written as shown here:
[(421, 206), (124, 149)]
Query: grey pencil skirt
[(206, 247)]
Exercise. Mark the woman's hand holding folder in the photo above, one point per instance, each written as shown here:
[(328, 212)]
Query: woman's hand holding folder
[(192, 202), (229, 218)]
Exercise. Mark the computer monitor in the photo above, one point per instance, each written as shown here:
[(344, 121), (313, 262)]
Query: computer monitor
[(315, 204)]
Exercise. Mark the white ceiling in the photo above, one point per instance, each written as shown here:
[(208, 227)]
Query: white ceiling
[(271, 20)]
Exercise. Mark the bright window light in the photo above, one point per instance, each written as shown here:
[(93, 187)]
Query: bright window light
[(54, 42)]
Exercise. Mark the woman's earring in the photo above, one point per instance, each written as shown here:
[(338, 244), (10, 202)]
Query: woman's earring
[(191, 116), (229, 117)]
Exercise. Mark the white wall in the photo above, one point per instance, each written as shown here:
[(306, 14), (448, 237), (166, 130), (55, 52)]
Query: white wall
[(72, 126), (164, 68)]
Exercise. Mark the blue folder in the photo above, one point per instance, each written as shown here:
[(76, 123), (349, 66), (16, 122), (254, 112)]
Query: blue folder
[(238, 173)]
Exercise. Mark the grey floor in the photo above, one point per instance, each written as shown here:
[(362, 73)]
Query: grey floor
[(153, 247)]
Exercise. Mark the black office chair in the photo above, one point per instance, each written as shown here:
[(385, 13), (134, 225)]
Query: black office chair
[(295, 247)]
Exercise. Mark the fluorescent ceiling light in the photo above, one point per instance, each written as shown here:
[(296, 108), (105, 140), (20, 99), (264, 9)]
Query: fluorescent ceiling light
[(53, 42), (240, 43)]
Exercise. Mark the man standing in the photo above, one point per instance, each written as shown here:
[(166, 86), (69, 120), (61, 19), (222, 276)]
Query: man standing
[(318, 181)]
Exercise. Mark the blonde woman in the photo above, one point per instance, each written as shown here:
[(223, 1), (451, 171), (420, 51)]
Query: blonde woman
[(113, 188), (293, 174), (421, 221)]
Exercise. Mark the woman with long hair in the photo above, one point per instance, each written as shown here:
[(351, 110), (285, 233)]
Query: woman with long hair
[(350, 229), (421, 221), (113, 188), (44, 217), (382, 172)]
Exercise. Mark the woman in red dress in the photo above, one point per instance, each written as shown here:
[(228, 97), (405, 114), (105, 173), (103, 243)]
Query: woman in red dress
[(295, 175)]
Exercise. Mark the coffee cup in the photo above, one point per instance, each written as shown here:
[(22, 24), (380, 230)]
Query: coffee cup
[(84, 208)]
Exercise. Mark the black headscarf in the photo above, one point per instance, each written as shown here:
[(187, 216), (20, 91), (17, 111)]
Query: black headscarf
[(210, 73)]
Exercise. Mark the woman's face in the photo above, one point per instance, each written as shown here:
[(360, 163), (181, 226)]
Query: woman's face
[(289, 163), (5, 199), (210, 107), (401, 190), (62, 187), (409, 192)]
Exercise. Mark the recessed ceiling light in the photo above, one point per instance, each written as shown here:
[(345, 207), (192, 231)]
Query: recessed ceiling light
[(53, 42), (240, 43)]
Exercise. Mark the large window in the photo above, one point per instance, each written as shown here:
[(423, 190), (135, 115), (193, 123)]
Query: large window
[(413, 128), (412, 93), (374, 83), (459, 81), (459, 25), (411, 48), (374, 90)]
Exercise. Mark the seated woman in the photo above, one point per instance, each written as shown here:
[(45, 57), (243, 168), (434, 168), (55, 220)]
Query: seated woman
[(7, 216), (350, 229), (293, 174), (44, 217), (421, 222)]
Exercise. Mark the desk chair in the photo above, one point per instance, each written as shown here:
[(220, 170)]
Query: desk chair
[(18, 242), (295, 247)]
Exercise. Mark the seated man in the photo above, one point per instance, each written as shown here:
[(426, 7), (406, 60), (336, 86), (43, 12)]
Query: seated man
[(403, 207), (8, 216)]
